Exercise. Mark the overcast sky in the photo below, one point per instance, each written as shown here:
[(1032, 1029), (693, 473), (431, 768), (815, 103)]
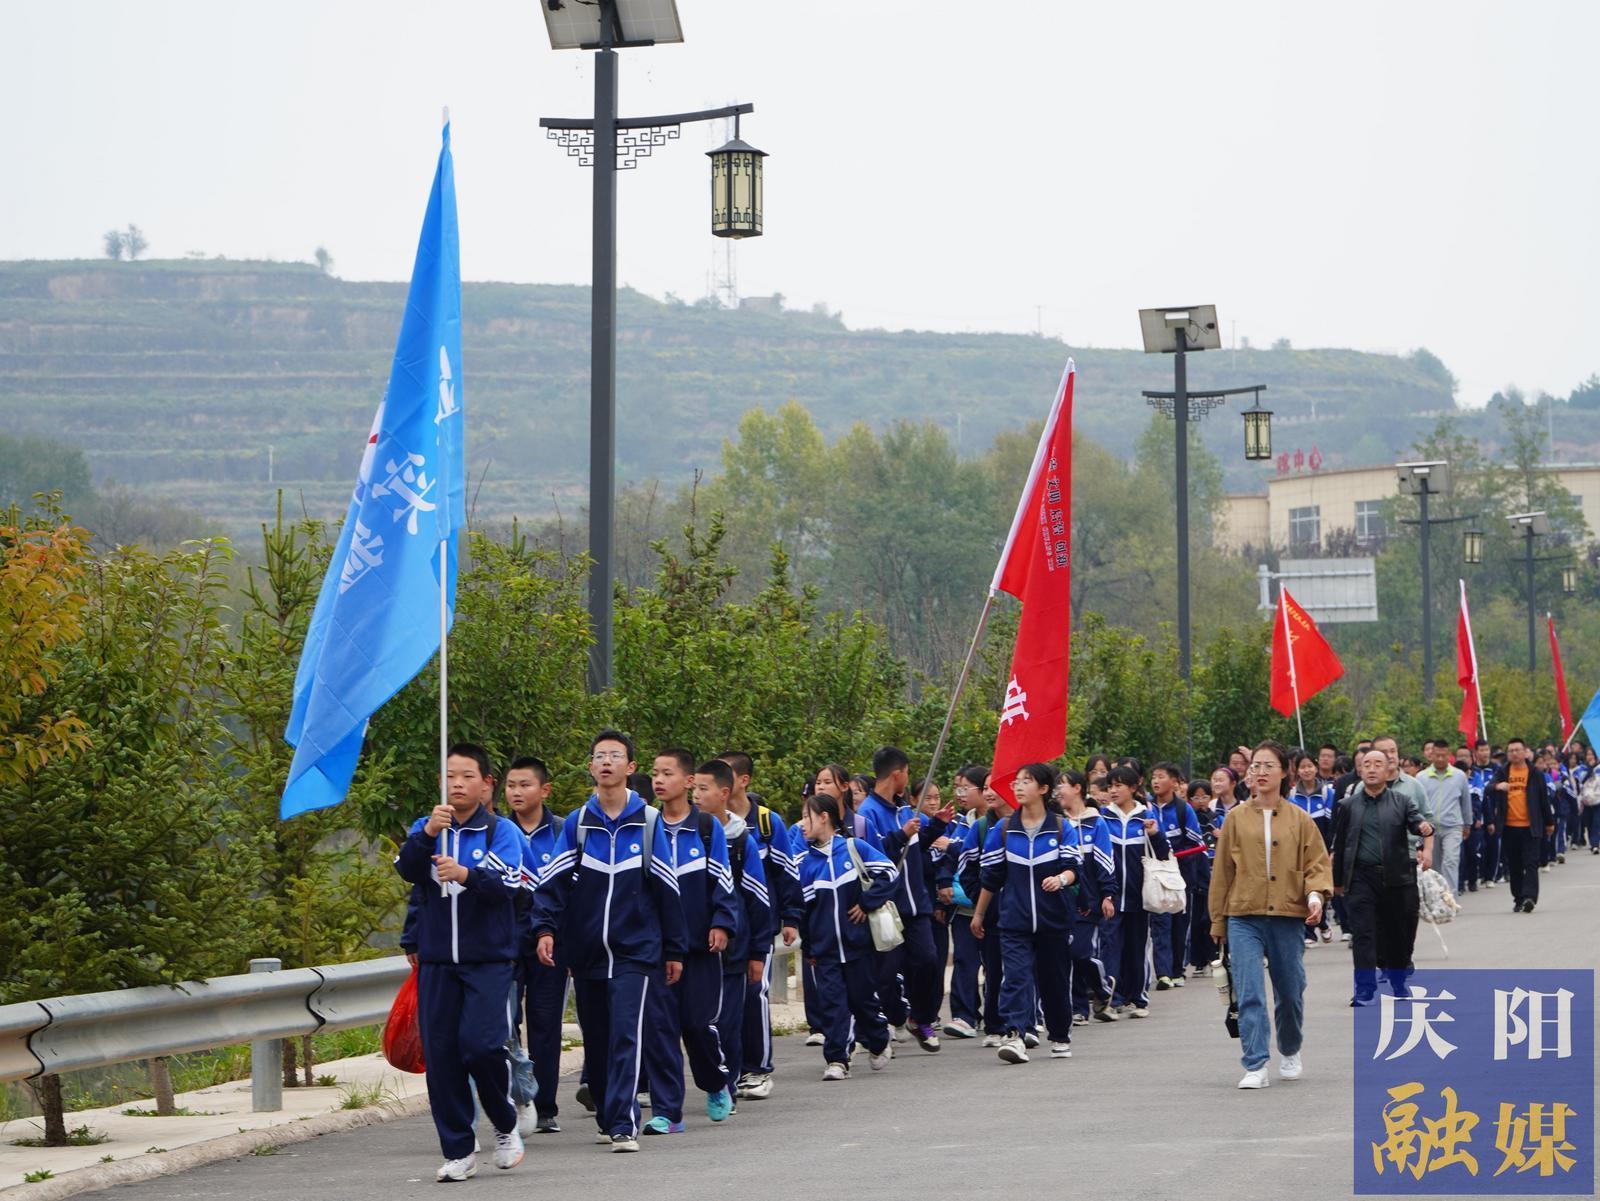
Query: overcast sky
[(1374, 175)]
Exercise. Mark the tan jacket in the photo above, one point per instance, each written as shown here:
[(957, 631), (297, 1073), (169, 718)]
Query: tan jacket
[(1240, 884)]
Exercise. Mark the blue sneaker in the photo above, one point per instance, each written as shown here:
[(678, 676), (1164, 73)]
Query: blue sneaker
[(660, 1125), (719, 1105)]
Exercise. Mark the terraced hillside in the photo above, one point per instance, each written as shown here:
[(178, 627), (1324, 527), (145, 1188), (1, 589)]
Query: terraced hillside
[(192, 380)]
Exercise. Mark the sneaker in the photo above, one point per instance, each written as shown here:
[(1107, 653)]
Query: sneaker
[(881, 1060), (759, 1088), (1290, 1067), (1060, 1050), (719, 1105), (1177, 982), (1013, 1051), (927, 1037), (624, 1142), (457, 1169), (1104, 1011), (992, 1040), (1327, 934), (836, 1071), (585, 1098), (1163, 983), (815, 1039), (1080, 1019), (548, 1126), (1030, 1039), (1140, 1011), (661, 1124), (507, 1149), (527, 1119), (959, 1028), (1255, 1079)]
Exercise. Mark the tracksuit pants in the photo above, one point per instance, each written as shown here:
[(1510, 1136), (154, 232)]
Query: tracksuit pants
[(464, 1013), (904, 989), (1520, 847), (964, 974), (683, 1017), (1125, 950), (850, 1010), (993, 971), (538, 1019), (730, 1022), (1090, 979), (1038, 973), (756, 1053), (1382, 919), (611, 1014)]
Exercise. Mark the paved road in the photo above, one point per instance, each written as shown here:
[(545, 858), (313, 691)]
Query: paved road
[(1143, 1110)]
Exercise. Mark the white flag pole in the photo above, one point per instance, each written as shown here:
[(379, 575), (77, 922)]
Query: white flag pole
[(1288, 649)]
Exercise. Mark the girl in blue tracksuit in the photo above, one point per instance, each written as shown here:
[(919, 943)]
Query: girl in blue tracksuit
[(1030, 864), (1091, 980), (837, 939), (1125, 935)]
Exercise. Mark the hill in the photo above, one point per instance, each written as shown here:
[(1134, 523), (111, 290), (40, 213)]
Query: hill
[(210, 383)]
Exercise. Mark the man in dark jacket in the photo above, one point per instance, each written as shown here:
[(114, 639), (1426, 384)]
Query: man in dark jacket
[(1374, 871), (1518, 808)]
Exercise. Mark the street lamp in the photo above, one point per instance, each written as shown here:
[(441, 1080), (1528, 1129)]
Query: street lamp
[(609, 144), (1422, 480), (1472, 547), (1530, 526), (1176, 330)]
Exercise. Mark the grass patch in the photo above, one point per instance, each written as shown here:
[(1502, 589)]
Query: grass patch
[(182, 1111), (80, 1136), (35, 1177), (361, 1096)]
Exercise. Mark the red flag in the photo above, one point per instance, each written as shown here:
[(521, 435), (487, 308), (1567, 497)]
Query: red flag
[(1561, 683), (1303, 663), (1035, 568), (1467, 671)]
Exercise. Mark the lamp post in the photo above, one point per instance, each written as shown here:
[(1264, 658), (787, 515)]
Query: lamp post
[(610, 143), (1176, 331), (1530, 526)]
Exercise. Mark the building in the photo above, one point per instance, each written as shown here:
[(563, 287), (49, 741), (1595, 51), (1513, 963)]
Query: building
[(1300, 509)]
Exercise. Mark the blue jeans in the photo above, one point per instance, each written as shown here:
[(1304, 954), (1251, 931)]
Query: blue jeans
[(1281, 941)]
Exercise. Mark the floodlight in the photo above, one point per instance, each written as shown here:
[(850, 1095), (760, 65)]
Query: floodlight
[(1432, 477), (1198, 322), (1535, 524), (576, 24)]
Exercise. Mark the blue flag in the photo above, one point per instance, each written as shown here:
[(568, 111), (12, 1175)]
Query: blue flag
[(376, 622), (1590, 721)]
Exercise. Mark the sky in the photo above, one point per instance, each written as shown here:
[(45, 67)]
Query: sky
[(1372, 175)]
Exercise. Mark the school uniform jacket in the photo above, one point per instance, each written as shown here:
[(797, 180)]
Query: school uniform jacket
[(474, 922), (610, 911), (831, 887), (1014, 866)]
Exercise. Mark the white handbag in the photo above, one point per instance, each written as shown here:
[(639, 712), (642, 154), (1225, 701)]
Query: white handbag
[(884, 922), (1164, 890)]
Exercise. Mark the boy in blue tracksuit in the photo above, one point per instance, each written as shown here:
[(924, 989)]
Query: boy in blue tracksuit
[(694, 844), (1169, 932), (771, 836), (543, 989), (837, 938), (466, 867), (1125, 935), (1030, 865), (610, 898), (885, 823), (745, 961)]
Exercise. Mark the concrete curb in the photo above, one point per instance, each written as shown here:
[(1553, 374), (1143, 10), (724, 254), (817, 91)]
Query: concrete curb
[(229, 1146)]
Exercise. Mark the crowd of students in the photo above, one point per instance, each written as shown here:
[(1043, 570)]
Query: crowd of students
[(660, 898)]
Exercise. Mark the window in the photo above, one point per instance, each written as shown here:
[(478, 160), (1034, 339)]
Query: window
[(1369, 521), (1305, 526)]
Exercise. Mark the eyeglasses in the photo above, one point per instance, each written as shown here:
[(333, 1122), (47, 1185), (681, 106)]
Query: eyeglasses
[(609, 757)]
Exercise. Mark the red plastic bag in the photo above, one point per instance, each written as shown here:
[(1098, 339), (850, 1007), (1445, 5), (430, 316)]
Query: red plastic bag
[(402, 1033)]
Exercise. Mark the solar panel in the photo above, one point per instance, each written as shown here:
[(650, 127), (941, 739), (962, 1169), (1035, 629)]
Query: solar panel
[(573, 24)]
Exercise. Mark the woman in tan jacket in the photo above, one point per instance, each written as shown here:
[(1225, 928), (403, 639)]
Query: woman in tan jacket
[(1267, 885)]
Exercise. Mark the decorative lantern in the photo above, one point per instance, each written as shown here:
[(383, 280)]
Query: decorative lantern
[(1472, 547), (736, 189), (1257, 432)]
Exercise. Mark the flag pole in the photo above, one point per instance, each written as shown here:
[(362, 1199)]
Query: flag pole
[(955, 697), (1288, 647)]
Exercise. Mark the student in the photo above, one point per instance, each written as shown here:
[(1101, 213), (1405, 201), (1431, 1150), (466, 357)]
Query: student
[(1315, 799), (1125, 935), (885, 823), (543, 989), (1169, 932), (968, 955), (837, 939), (744, 961), (772, 840), (466, 864), (1087, 831), (695, 846), (611, 900), (968, 872)]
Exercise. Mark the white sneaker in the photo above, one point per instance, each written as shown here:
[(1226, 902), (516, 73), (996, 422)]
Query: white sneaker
[(881, 1060), (1290, 1067), (1060, 1050), (835, 1071), (507, 1149), (992, 1040), (1012, 1051), (815, 1039), (457, 1169), (960, 1028), (527, 1119), (1255, 1079)]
